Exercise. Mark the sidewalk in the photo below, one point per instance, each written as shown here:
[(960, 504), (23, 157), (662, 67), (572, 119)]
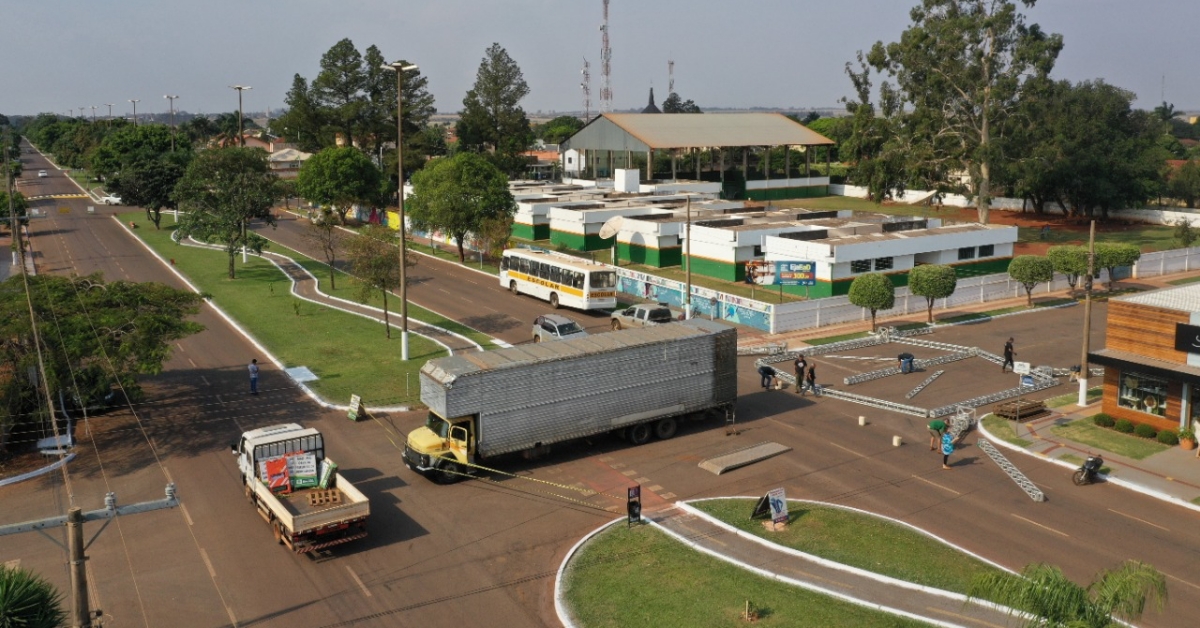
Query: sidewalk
[(926, 604), (1173, 474)]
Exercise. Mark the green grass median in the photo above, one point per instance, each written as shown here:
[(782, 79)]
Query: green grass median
[(348, 353), (641, 577), (859, 540)]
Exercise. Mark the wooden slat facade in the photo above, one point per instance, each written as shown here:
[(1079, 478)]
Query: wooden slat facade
[(1144, 330)]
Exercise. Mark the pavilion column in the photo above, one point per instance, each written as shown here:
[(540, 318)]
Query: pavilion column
[(722, 164), (649, 164), (807, 163), (787, 164), (766, 163), (746, 163), (674, 158), (698, 153)]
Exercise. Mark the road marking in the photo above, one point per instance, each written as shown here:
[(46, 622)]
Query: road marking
[(183, 507), (205, 380), (629, 473), (1041, 526), (208, 564), (13, 564), (362, 586), (642, 480), (668, 496), (192, 363), (1139, 519), (963, 617), (847, 449), (932, 483), (814, 576), (1195, 586)]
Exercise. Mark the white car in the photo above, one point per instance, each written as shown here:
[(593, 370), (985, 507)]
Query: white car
[(110, 200), (42, 174)]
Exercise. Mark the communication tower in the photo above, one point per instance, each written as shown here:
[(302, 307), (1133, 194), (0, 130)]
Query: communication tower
[(586, 85), (605, 66)]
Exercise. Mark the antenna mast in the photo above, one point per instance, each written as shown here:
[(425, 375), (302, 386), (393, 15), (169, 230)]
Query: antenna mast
[(670, 76), (605, 69), (586, 85)]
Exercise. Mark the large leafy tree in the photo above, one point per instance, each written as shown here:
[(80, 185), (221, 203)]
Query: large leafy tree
[(323, 233), (339, 177), (559, 129), (1184, 184), (338, 88), (222, 190), (932, 281), (492, 119), (878, 157), (1029, 271), (873, 291), (1113, 255), (1069, 260), (94, 334), (150, 184), (302, 124), (674, 104), (132, 144), (1054, 601), (19, 207), (459, 195), (960, 68), (29, 601)]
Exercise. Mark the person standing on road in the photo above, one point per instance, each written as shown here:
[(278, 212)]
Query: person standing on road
[(1008, 355), (254, 376), (800, 365), (937, 428), (947, 449), (812, 380), (767, 374)]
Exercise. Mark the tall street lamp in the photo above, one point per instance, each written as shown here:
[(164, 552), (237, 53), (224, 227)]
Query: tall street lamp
[(172, 99), (93, 114), (110, 106), (399, 67), (240, 89), (81, 113), (135, 101), (1087, 316)]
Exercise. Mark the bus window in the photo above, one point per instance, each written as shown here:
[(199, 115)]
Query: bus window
[(603, 280), (556, 274), (577, 279), (524, 266), (544, 270), (504, 262)]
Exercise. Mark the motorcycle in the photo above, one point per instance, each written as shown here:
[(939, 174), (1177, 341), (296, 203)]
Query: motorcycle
[(1087, 473)]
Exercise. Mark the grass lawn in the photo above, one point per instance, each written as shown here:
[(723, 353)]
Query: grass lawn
[(972, 316), (1002, 429), (1093, 395), (1148, 238), (1185, 280), (641, 577), (348, 353), (840, 535), (856, 204), (1088, 433), (832, 339)]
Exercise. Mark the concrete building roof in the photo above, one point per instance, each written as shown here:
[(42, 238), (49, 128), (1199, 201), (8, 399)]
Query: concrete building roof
[(645, 131), (1184, 298), (915, 233)]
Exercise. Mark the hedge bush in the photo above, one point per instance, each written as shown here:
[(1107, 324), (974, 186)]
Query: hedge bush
[(1145, 431), (1168, 437), (1103, 420), (1124, 426)]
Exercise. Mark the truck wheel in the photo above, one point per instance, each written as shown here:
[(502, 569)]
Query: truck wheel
[(616, 325), (665, 428), (448, 473), (512, 287), (554, 300), (537, 338), (639, 434)]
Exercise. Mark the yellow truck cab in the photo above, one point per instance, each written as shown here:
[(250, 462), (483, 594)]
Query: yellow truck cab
[(441, 449)]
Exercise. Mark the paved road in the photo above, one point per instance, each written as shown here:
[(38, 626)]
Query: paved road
[(485, 551)]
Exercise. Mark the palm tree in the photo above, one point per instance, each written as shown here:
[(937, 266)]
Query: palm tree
[(1053, 601), (29, 601)]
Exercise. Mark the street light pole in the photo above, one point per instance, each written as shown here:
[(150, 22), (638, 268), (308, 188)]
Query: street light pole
[(135, 101), (687, 239), (240, 89), (1087, 316), (172, 99), (93, 114), (400, 68), (109, 105)]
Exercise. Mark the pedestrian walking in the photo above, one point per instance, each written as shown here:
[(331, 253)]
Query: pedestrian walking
[(1008, 355), (947, 449), (254, 376), (800, 365), (937, 428), (811, 378), (768, 374)]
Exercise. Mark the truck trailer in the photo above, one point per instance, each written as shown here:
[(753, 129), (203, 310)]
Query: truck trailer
[(637, 383)]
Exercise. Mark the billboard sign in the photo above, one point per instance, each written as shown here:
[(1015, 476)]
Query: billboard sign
[(795, 273)]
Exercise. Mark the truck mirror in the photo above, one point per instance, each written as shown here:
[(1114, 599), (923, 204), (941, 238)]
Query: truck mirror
[(233, 449)]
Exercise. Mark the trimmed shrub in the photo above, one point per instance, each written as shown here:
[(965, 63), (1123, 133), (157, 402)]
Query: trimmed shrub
[(1103, 420), (1145, 431), (1168, 437), (1124, 426)]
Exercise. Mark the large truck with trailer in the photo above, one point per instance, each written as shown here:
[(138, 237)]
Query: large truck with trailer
[(297, 490), (638, 383)]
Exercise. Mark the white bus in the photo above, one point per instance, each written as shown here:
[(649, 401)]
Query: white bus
[(560, 279)]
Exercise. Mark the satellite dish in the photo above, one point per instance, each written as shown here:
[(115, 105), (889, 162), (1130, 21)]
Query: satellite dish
[(610, 227)]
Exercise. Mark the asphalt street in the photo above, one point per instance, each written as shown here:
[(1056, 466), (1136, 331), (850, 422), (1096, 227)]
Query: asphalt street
[(485, 551)]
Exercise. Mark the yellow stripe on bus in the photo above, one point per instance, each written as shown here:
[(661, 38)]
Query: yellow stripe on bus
[(549, 284)]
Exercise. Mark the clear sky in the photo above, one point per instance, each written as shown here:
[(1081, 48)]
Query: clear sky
[(63, 54)]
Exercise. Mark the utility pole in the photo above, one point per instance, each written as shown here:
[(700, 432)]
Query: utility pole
[(240, 89), (172, 99), (13, 223), (93, 114), (81, 614), (687, 241), (109, 105), (399, 67), (1087, 316), (135, 101)]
